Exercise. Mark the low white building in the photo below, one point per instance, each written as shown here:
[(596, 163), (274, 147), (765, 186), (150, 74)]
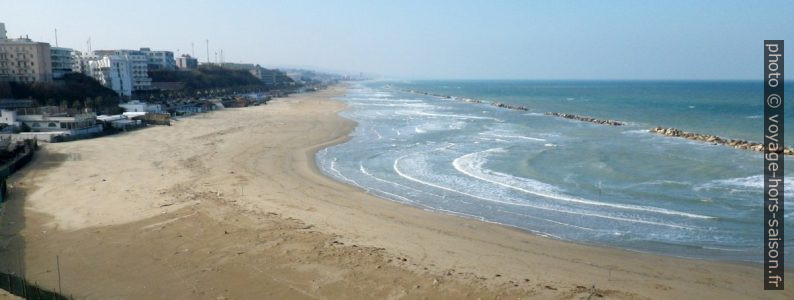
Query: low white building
[(44, 123), (119, 121), (140, 106)]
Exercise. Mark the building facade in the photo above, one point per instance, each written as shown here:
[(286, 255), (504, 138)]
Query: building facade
[(112, 71), (160, 59), (186, 62), (62, 62), (80, 62), (139, 106), (139, 66), (23, 60), (44, 123)]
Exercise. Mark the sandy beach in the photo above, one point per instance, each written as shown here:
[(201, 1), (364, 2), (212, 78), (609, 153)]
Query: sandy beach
[(230, 205)]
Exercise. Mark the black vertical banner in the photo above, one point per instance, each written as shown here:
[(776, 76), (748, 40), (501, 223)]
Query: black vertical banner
[(773, 165)]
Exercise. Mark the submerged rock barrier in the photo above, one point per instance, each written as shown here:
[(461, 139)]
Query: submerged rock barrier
[(470, 100), (708, 138), (586, 119), (510, 106)]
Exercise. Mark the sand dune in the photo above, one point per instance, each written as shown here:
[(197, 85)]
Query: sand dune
[(230, 205)]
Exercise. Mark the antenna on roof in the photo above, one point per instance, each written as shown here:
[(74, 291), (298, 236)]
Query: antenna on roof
[(208, 51), (56, 37)]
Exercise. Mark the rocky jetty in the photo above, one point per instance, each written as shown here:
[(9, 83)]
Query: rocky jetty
[(510, 106), (586, 119), (470, 100), (707, 138)]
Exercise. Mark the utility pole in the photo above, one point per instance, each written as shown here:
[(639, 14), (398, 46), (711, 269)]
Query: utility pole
[(208, 51), (58, 262), (192, 49), (56, 37)]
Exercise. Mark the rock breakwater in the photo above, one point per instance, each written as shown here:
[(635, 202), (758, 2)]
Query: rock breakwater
[(470, 100), (586, 119), (708, 138)]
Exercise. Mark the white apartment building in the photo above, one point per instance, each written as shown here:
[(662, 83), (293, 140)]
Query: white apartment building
[(80, 62), (160, 59), (139, 66), (62, 61), (112, 71)]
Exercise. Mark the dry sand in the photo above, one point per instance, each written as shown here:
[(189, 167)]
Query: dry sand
[(230, 205)]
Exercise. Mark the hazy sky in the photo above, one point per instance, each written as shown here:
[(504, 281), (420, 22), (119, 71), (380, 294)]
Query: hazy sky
[(434, 39)]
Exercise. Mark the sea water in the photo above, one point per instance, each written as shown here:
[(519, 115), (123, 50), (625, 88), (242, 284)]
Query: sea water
[(617, 186)]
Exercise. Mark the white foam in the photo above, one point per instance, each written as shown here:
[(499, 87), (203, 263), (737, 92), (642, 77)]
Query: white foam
[(396, 168), (428, 114), (376, 132), (509, 136), (754, 182), (472, 165), (366, 172), (547, 220), (332, 166)]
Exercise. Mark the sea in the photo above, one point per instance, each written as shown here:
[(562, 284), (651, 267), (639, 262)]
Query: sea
[(616, 186)]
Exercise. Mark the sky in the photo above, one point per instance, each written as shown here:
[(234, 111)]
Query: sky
[(594, 40)]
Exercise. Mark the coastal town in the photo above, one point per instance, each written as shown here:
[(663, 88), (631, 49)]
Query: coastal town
[(51, 94)]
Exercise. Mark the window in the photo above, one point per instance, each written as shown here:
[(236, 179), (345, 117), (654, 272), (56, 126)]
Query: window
[(52, 124)]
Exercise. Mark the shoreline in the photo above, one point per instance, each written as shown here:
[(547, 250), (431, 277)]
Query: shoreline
[(258, 165)]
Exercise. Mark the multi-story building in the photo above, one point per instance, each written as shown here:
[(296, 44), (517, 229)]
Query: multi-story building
[(160, 59), (62, 62), (23, 60), (112, 71), (139, 65), (186, 62), (80, 62)]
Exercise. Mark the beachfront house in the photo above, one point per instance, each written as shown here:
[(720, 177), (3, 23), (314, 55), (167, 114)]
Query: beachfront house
[(45, 127), (45, 123), (140, 106)]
